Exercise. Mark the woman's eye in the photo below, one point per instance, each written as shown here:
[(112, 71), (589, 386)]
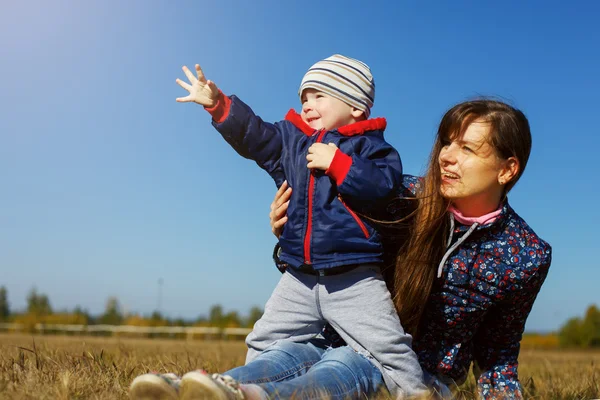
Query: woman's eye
[(467, 149)]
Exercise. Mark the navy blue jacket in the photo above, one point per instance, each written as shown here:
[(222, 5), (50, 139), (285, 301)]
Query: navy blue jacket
[(325, 228)]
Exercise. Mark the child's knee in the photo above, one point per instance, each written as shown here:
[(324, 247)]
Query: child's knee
[(349, 357), (299, 351)]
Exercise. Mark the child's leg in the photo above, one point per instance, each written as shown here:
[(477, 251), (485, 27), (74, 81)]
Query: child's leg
[(340, 374), (359, 307), (282, 361), (291, 313)]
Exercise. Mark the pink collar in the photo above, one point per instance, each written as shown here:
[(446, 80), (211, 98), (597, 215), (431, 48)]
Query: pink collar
[(358, 128), (482, 220)]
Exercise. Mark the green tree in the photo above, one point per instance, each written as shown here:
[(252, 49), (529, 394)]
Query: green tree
[(156, 316), (231, 320), (4, 306), (180, 322), (590, 328), (112, 313), (78, 311), (570, 333), (254, 315), (215, 316), (38, 304), (577, 332)]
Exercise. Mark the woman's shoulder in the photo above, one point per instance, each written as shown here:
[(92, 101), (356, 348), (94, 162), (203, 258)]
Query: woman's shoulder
[(523, 252), (402, 203), (517, 228), (411, 185)]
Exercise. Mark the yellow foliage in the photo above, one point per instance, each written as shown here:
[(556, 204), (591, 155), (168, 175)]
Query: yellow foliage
[(65, 319), (29, 320), (540, 341), (136, 320)]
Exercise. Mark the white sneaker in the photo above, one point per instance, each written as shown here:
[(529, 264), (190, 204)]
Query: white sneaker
[(155, 387), (200, 385)]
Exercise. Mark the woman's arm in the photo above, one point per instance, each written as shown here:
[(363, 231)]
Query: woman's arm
[(497, 344)]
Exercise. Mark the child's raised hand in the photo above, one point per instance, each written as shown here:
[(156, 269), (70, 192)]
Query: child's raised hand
[(320, 155), (201, 91)]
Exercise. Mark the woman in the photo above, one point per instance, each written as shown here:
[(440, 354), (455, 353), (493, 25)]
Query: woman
[(464, 283)]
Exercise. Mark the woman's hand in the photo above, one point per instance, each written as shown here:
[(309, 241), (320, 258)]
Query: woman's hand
[(278, 215), (201, 91)]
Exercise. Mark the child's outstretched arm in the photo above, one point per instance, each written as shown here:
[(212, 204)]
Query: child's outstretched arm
[(247, 133), (201, 90)]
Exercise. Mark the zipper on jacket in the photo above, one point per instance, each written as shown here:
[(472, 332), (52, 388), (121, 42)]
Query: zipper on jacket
[(356, 218), (311, 184)]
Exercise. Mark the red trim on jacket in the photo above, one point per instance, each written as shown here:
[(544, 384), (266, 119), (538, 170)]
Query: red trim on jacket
[(357, 128), (339, 167), (361, 224), (297, 120), (220, 111), (311, 189)]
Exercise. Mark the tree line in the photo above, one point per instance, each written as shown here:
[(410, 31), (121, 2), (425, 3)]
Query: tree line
[(39, 310), (581, 332)]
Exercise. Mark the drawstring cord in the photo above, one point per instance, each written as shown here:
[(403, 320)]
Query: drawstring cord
[(455, 245)]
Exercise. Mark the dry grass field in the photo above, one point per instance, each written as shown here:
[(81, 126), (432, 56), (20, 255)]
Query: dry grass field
[(62, 367)]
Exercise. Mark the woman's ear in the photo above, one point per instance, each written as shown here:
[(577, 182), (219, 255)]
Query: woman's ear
[(508, 171)]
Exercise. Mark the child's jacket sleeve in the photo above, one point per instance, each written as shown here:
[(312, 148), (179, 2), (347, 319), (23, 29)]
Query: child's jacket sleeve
[(373, 172), (497, 344), (249, 135)]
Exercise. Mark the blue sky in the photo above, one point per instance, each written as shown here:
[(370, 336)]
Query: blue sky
[(109, 185)]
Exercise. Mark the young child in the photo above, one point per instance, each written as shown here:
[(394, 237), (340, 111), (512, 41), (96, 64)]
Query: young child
[(333, 156)]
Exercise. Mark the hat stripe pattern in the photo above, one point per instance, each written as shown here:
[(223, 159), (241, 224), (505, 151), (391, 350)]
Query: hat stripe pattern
[(368, 80), (326, 72), (344, 78), (345, 96), (334, 93)]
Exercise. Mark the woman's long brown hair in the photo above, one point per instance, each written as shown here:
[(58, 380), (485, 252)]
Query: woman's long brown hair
[(418, 259)]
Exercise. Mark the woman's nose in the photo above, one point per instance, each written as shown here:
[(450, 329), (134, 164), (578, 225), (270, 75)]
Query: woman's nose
[(447, 155)]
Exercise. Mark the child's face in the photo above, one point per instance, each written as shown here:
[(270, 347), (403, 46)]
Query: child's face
[(321, 111)]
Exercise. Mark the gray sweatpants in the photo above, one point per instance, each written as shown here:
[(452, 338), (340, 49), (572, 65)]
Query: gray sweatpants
[(358, 305)]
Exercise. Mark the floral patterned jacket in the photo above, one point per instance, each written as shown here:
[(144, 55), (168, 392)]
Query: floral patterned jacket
[(476, 313), (490, 277)]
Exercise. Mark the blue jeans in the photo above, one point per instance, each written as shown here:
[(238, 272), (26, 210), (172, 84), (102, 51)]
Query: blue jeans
[(311, 370)]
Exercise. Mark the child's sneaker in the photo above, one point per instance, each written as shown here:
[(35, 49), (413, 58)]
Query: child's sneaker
[(200, 385), (155, 386)]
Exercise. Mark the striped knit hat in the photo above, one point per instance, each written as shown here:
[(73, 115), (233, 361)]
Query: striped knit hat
[(344, 78)]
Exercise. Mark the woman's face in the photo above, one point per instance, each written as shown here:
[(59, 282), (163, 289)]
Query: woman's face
[(472, 172)]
